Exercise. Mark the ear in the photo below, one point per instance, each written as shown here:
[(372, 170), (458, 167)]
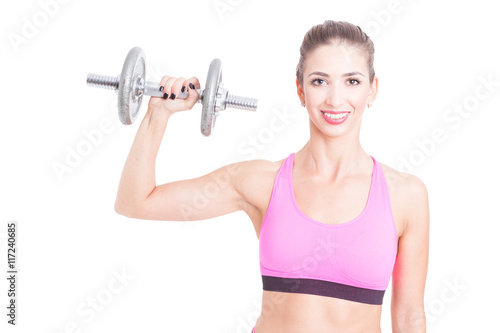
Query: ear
[(300, 91), (372, 94)]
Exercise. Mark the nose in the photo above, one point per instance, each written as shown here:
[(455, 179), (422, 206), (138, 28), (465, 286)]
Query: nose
[(334, 97)]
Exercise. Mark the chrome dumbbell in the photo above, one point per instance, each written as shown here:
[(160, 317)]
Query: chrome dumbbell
[(131, 85)]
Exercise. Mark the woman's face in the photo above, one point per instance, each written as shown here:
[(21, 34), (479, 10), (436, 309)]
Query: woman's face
[(336, 87)]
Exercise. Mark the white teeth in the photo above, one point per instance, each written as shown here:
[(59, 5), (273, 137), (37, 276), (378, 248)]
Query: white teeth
[(336, 116)]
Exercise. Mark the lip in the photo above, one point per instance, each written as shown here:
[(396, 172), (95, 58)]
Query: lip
[(335, 112), (335, 121)]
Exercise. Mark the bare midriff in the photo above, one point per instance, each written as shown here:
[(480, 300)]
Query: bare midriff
[(298, 313)]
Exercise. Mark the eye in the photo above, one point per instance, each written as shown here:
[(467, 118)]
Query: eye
[(356, 82), (318, 82)]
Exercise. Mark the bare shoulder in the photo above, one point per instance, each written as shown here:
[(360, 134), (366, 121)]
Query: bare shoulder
[(408, 194), (254, 182), (403, 182)]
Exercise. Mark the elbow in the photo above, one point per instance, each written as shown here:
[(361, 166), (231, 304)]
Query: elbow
[(132, 206), (121, 209), (126, 209)]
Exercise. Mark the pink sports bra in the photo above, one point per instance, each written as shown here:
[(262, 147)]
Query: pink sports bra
[(352, 260)]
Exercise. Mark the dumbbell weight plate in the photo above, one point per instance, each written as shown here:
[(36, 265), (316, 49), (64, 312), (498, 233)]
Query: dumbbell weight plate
[(134, 69), (208, 114)]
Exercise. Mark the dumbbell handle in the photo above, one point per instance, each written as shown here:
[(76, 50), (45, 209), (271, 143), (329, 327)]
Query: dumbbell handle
[(151, 89)]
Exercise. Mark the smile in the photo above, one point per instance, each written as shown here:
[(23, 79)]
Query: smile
[(335, 118)]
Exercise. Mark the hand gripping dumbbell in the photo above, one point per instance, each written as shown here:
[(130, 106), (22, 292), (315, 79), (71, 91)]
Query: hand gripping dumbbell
[(131, 85)]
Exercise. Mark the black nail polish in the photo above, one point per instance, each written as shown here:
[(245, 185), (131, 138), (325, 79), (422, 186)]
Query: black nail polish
[(172, 96), (183, 89), (191, 86), (161, 88), (165, 96)]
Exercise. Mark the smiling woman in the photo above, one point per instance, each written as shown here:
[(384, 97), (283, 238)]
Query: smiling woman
[(350, 77), (333, 274), (334, 224)]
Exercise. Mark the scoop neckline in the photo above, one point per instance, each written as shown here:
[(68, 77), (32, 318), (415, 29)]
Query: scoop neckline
[(337, 225)]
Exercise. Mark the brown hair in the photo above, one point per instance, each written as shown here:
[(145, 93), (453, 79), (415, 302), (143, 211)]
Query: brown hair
[(330, 31)]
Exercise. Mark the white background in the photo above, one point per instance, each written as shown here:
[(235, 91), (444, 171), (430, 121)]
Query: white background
[(204, 276)]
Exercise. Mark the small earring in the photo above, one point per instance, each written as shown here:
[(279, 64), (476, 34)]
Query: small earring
[(370, 104), (303, 103)]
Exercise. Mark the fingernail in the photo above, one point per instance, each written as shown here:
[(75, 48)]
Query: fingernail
[(183, 89), (161, 88), (191, 86), (172, 96), (165, 96)]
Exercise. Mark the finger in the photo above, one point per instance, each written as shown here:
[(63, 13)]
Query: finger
[(193, 83), (168, 87), (176, 87), (161, 85)]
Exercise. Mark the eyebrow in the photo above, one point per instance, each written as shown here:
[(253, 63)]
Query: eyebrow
[(343, 75)]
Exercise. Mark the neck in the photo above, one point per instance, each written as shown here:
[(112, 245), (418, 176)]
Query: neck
[(333, 157)]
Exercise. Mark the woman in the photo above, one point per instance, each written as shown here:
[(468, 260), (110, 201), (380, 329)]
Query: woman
[(333, 223)]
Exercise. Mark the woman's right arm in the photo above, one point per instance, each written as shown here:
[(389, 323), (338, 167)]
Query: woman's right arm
[(138, 196)]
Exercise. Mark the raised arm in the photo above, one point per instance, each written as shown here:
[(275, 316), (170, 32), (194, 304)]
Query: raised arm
[(410, 270), (199, 198)]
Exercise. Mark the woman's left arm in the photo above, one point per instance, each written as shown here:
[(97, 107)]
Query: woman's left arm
[(410, 270)]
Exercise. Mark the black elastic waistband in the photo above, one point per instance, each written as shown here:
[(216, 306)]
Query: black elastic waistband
[(323, 288)]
